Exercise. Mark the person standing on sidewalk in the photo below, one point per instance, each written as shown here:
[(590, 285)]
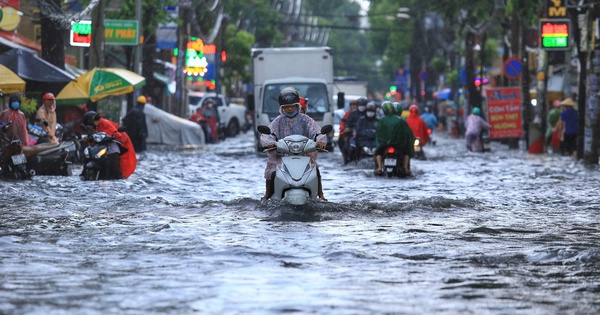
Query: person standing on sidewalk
[(569, 119), (45, 117)]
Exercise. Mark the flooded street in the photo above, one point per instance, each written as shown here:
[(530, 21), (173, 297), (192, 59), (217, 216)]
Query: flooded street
[(496, 233)]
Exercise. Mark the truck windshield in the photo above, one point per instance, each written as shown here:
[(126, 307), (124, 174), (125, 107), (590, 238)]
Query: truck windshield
[(318, 100)]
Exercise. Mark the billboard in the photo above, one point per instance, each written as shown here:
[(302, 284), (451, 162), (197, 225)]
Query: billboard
[(504, 112)]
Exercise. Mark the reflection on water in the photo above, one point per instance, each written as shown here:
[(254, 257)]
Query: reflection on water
[(496, 233)]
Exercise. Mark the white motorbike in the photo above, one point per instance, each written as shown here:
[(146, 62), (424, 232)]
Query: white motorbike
[(296, 179)]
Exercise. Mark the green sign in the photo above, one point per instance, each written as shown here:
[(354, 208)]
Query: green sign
[(116, 32), (121, 32), (555, 34)]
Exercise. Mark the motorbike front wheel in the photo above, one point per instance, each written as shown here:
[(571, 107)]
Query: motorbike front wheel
[(91, 174)]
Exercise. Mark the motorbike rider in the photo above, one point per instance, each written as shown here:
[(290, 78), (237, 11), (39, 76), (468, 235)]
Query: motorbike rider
[(45, 117), (474, 125), (351, 121), (290, 122), (393, 130), (429, 119), (364, 133), (18, 129), (124, 162), (417, 125), (345, 136)]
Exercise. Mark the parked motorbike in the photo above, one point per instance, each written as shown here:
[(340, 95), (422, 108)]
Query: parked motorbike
[(68, 133), (393, 162), (12, 159), (49, 158), (45, 158), (296, 179), (99, 163)]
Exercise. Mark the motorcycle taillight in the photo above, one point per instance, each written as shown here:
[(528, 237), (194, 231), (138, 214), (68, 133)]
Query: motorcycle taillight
[(391, 150)]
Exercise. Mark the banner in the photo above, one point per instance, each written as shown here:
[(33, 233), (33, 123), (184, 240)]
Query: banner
[(504, 112)]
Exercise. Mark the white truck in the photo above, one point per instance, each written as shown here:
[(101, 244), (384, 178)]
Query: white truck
[(232, 117), (307, 69)]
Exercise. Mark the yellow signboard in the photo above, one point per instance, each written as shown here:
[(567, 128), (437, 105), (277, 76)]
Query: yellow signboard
[(556, 8)]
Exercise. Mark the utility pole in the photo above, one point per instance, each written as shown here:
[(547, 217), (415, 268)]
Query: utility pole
[(97, 45), (140, 44)]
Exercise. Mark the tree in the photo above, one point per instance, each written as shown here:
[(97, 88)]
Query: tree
[(238, 45)]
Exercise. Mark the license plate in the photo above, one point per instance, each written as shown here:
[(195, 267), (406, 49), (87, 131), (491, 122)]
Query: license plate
[(389, 162), (19, 159)]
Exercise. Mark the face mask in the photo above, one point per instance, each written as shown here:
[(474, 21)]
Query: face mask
[(362, 108), (292, 115), (15, 105), (370, 114)]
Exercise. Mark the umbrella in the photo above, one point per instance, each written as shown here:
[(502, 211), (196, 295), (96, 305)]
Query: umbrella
[(99, 83), (10, 83)]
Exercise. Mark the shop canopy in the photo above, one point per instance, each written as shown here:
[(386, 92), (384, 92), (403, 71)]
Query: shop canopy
[(10, 83), (31, 67)]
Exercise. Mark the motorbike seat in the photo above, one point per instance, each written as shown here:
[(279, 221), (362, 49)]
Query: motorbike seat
[(42, 148)]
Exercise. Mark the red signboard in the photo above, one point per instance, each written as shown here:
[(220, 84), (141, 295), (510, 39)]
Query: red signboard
[(504, 112)]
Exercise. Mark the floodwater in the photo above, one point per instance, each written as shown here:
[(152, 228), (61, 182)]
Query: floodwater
[(503, 232)]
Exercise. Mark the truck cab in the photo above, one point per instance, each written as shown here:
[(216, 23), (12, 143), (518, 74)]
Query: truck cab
[(309, 70)]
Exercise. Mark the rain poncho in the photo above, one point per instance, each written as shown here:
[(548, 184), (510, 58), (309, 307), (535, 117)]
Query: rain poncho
[(474, 126), (48, 115), (418, 127), (135, 124), (393, 130), (127, 160), (18, 129), (430, 120), (282, 127), (365, 131)]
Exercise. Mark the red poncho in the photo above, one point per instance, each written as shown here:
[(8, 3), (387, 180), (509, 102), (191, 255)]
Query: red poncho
[(128, 160), (419, 128), (18, 129)]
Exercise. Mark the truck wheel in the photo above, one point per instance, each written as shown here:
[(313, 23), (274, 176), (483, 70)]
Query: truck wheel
[(233, 128)]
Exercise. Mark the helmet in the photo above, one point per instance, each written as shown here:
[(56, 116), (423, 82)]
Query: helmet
[(142, 99), (476, 111), (413, 109), (89, 117), (48, 96), (399, 109), (289, 96), (388, 108), (371, 106), (362, 101), (14, 98)]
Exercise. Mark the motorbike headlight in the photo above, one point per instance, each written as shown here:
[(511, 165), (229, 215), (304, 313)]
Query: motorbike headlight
[(417, 142), (296, 147), (86, 152), (100, 153)]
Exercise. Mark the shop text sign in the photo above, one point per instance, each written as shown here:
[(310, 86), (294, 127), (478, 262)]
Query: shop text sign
[(504, 112), (116, 32)]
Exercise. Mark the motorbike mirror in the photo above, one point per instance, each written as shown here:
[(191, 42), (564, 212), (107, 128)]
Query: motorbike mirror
[(326, 129), (264, 129)]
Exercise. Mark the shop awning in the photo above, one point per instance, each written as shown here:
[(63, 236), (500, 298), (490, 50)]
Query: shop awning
[(14, 40)]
